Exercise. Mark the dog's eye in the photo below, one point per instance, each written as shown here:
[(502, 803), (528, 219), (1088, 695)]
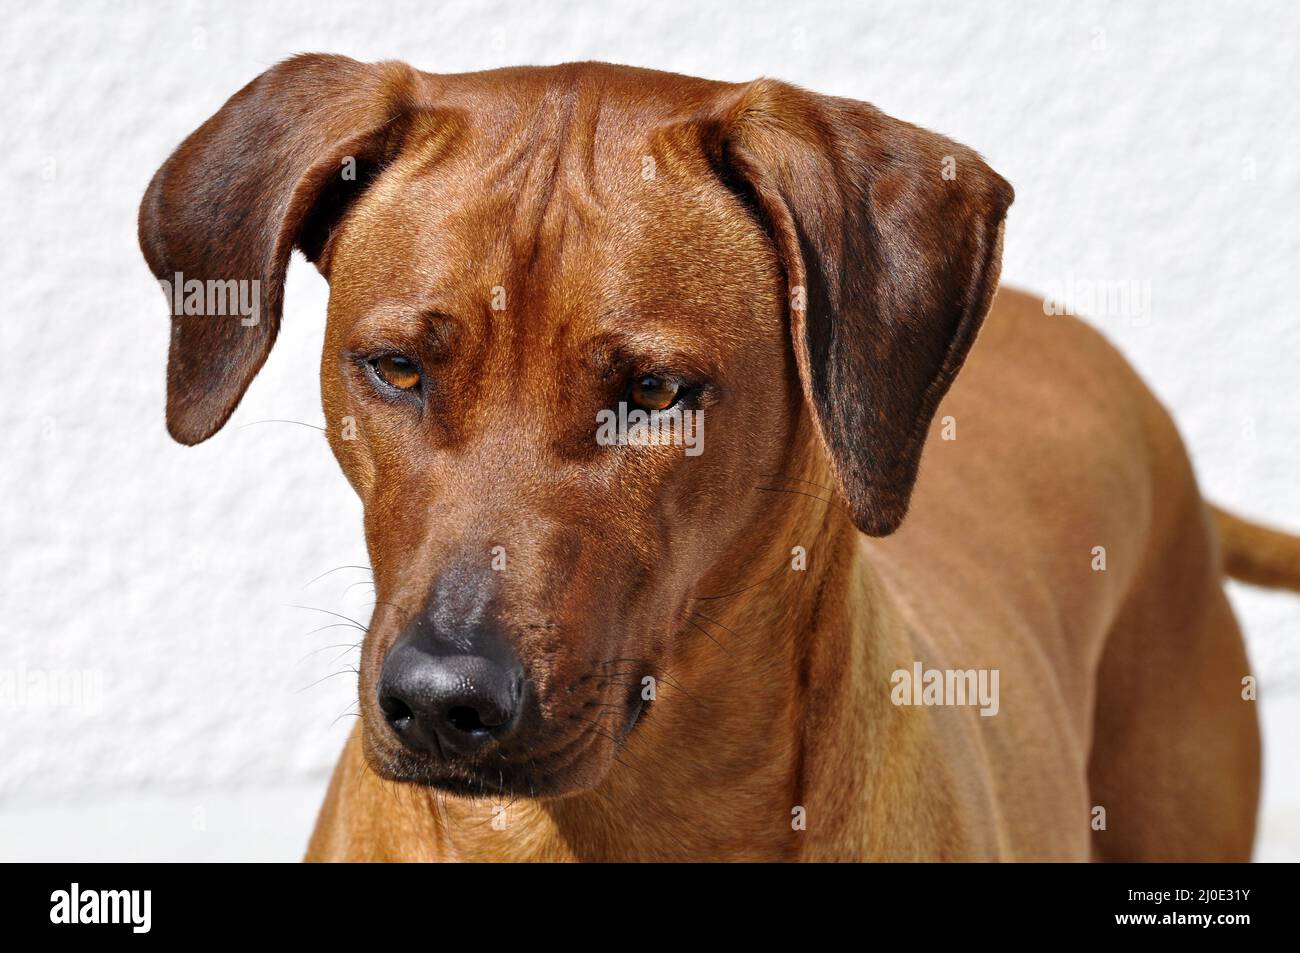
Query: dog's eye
[(655, 393), (397, 371)]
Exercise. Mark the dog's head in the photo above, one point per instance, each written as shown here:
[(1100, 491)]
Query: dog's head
[(547, 286)]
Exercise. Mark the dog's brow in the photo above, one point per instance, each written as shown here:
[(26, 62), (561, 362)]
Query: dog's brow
[(398, 323), (649, 350)]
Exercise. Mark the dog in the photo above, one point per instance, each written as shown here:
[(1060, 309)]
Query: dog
[(806, 641)]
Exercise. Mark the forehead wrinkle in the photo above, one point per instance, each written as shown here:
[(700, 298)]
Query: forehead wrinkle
[(542, 169), (540, 221), (554, 198)]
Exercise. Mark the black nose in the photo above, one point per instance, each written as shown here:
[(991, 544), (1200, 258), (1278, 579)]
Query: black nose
[(444, 704)]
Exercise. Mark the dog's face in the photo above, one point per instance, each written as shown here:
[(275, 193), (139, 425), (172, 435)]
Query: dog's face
[(490, 309), (525, 266)]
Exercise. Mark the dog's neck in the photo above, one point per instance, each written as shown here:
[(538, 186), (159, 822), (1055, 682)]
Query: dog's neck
[(772, 710)]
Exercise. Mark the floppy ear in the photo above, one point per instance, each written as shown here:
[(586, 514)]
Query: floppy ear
[(891, 240), (274, 169)]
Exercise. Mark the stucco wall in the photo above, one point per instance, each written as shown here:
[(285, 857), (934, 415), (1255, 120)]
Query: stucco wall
[(1153, 143)]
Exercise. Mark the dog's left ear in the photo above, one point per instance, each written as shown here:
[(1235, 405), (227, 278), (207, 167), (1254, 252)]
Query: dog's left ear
[(891, 240)]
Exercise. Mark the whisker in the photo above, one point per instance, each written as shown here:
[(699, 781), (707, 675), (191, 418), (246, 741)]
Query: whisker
[(676, 683), (343, 714), (728, 595), (811, 496), (622, 677), (719, 624), (393, 605), (323, 678), (708, 635), (363, 582), (300, 423), (355, 646), (326, 648), (337, 615), (779, 476), (335, 569), (333, 625)]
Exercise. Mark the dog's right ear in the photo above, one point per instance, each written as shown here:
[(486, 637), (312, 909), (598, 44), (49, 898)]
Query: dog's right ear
[(274, 169)]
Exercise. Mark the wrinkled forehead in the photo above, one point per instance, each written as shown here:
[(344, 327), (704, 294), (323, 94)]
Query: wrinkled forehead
[(593, 222)]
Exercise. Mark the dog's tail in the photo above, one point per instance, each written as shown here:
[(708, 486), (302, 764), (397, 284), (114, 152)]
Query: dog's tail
[(1257, 554)]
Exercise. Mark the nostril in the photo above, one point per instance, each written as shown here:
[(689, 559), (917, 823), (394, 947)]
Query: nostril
[(466, 719), (396, 711)]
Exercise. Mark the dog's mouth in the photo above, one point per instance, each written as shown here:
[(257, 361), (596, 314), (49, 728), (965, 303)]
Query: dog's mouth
[(505, 779), (635, 711)]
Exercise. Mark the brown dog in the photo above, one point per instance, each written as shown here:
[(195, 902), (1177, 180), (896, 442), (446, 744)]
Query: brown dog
[(596, 649)]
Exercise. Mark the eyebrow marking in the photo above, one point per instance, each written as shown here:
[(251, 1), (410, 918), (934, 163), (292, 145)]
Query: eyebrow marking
[(396, 324), (647, 351)]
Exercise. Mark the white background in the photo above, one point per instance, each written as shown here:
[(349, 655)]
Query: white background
[(1151, 142)]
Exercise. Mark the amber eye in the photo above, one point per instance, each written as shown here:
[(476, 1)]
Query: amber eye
[(654, 393), (397, 371)]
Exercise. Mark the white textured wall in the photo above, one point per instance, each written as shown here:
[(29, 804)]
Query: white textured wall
[(1151, 142)]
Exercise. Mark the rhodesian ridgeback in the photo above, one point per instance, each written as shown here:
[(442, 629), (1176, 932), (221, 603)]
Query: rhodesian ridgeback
[(797, 639)]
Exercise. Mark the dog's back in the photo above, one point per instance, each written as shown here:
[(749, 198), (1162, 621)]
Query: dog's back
[(1058, 535)]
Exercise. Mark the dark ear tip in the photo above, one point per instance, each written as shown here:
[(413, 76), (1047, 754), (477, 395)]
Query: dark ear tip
[(1006, 193), (189, 425), (183, 432), (879, 524), (880, 510)]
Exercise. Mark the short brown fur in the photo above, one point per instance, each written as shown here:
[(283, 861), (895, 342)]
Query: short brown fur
[(812, 263)]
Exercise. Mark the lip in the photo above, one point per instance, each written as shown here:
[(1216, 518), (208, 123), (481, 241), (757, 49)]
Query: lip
[(633, 719), (484, 781), (556, 774)]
